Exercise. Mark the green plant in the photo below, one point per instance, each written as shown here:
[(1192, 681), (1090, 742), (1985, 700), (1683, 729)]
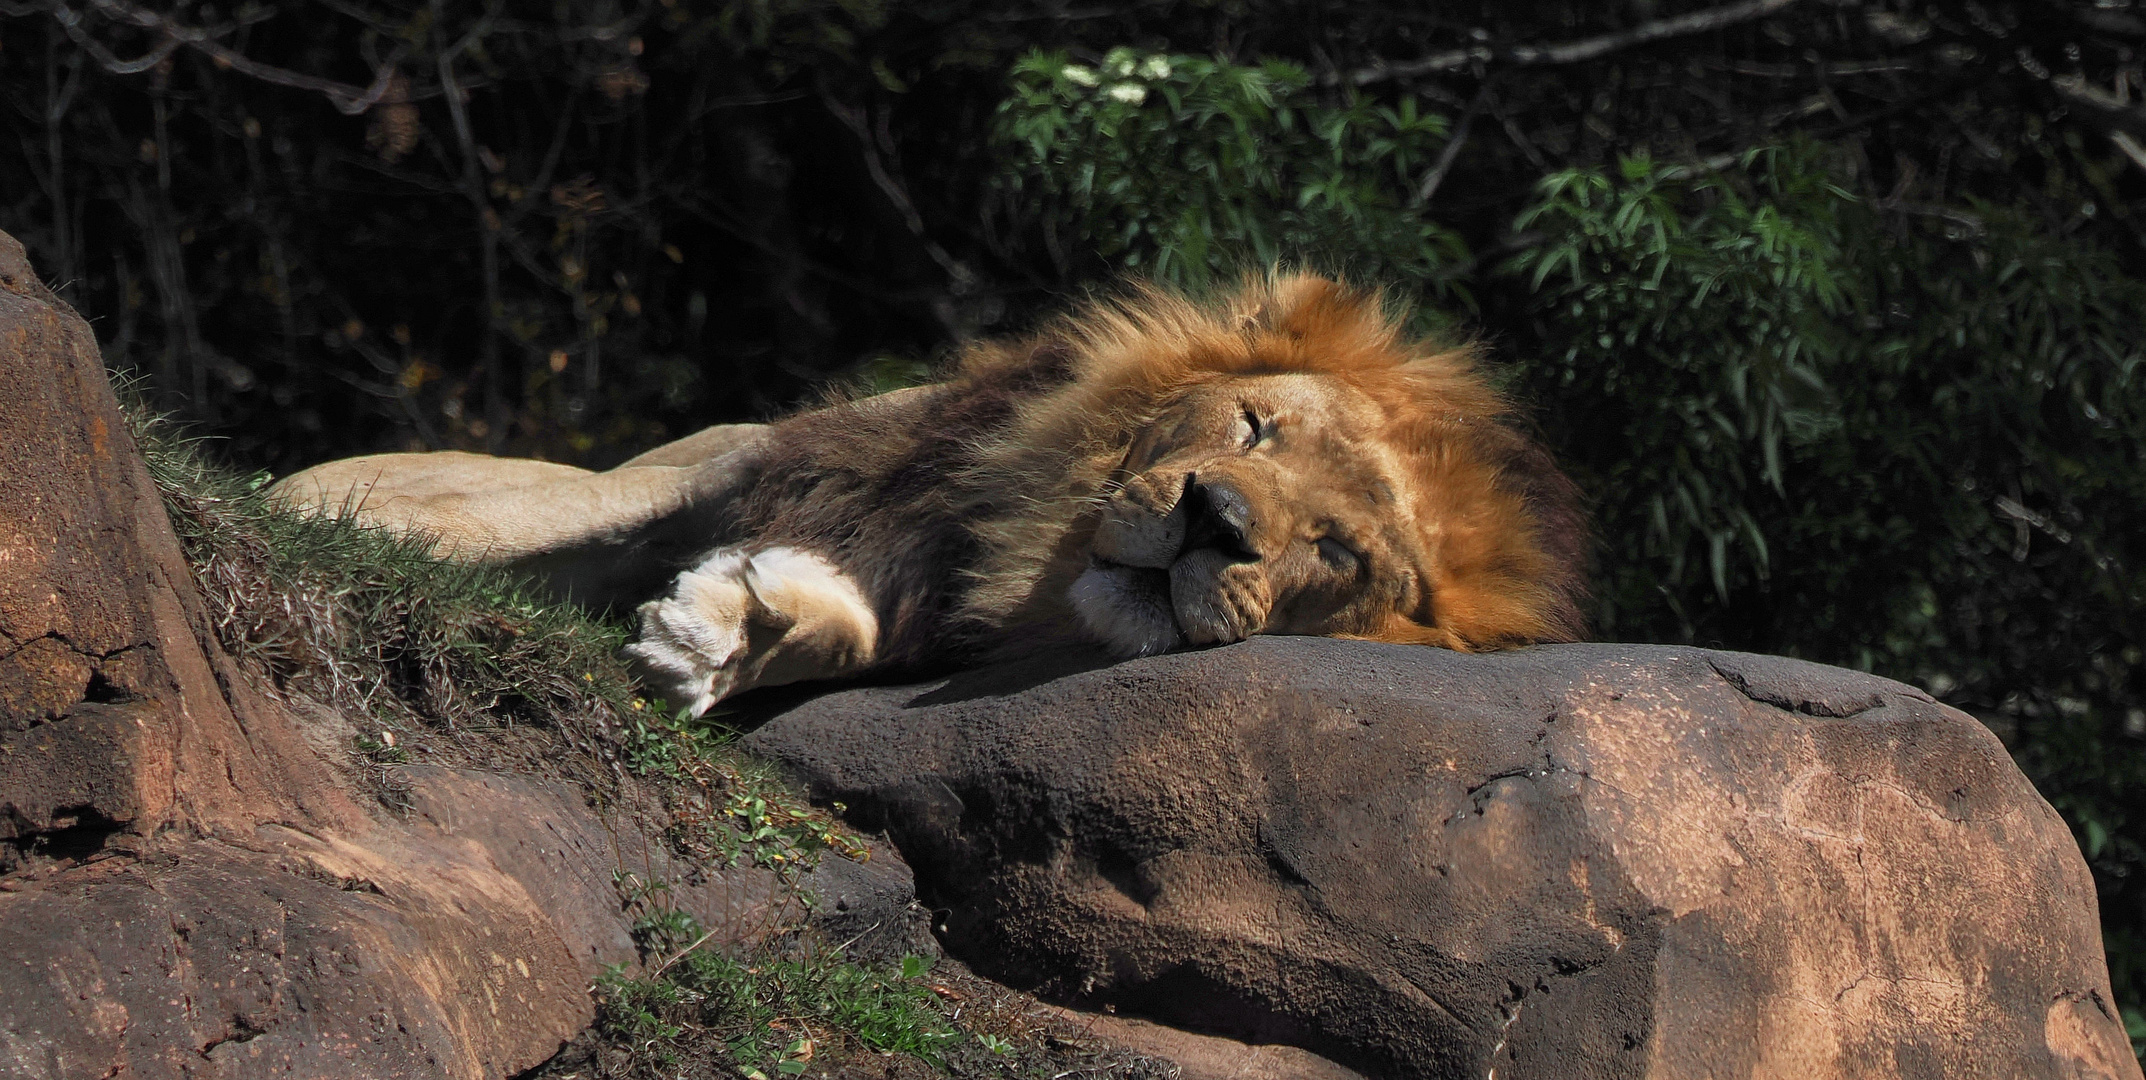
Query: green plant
[(1186, 167), (772, 1011), (1709, 308)]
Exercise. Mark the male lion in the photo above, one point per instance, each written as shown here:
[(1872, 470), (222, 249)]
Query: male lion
[(1148, 472)]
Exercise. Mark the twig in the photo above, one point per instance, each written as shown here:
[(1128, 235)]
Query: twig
[(1451, 153), (1519, 137), (347, 99), (681, 954), (2111, 111), (1763, 70), (105, 58), (844, 947), (1712, 163), (2131, 148), (2011, 508), (1505, 248), (1572, 52), (1974, 225), (958, 273)]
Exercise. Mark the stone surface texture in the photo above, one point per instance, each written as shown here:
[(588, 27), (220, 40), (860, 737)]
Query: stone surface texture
[(194, 880), (1569, 861)]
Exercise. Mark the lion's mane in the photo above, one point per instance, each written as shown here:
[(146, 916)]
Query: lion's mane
[(1509, 539)]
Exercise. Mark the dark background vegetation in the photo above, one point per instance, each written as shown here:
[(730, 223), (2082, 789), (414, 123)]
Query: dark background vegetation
[(1835, 308)]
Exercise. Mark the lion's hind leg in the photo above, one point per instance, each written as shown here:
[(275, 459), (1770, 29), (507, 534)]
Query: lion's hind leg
[(743, 619)]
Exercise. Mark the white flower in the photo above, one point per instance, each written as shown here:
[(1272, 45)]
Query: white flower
[(1075, 73), (1157, 67), (1131, 93), (1120, 62)]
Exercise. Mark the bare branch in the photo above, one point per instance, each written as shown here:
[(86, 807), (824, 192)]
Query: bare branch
[(1572, 52), (2111, 111), (1712, 163), (2105, 109), (1451, 153), (1973, 225), (105, 58), (347, 99), (854, 117), (1821, 68)]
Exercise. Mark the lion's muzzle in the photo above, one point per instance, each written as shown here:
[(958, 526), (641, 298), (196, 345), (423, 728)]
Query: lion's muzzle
[(1173, 560)]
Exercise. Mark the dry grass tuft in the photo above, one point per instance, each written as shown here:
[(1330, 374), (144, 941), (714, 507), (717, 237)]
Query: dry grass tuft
[(373, 625)]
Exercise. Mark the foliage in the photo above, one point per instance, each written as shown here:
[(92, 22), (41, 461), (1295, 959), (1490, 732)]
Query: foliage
[(1710, 319), (1184, 167), (784, 1009), (744, 812)]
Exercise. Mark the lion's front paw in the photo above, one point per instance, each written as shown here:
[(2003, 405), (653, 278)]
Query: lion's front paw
[(690, 641), (742, 620)]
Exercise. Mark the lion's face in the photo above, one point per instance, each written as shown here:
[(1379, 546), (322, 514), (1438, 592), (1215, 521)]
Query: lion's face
[(1255, 505)]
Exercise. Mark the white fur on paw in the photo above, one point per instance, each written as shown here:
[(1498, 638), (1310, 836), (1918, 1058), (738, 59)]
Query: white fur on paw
[(696, 646), (690, 640), (1120, 607)]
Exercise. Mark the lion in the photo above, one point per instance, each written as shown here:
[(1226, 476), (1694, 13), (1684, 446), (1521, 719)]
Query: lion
[(1149, 472)]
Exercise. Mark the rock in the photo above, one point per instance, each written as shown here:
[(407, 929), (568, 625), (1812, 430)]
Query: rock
[(1209, 1057), (869, 909), (1570, 861), (113, 703), (193, 882)]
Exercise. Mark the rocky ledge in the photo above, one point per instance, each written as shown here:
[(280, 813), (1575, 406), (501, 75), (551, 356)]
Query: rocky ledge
[(1572, 861)]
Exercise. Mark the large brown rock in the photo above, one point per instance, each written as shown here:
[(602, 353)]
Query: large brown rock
[(1573, 861), (193, 879)]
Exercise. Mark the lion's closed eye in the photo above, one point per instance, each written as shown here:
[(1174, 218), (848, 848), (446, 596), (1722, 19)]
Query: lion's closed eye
[(1255, 432), (1339, 555)]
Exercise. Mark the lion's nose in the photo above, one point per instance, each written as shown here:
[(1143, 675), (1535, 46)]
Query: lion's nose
[(1218, 516)]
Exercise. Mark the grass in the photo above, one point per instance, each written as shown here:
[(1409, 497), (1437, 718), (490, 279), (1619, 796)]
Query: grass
[(371, 623), (799, 1011), (772, 1014)]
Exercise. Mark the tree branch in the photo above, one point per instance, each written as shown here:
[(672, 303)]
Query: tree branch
[(1572, 52), (2110, 111), (1451, 153), (961, 278), (105, 58), (347, 99), (2105, 109)]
